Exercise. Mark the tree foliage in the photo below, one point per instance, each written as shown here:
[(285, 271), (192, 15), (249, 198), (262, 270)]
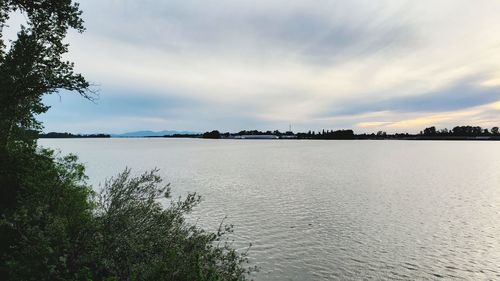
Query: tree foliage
[(47, 230), (138, 239), (33, 65), (52, 225)]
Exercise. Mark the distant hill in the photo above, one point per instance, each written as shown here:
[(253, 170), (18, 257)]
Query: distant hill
[(151, 134)]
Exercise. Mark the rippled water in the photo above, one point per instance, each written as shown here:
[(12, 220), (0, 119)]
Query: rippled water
[(322, 210)]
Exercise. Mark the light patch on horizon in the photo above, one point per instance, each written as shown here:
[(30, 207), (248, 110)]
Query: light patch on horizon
[(373, 124), (327, 64), (484, 115)]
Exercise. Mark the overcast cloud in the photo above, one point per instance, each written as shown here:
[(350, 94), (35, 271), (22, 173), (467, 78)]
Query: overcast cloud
[(232, 65)]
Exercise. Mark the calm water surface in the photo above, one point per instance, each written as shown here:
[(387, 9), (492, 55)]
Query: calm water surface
[(323, 210)]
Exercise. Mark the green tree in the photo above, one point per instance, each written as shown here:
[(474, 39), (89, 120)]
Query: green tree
[(52, 227), (33, 65), (30, 68), (45, 205)]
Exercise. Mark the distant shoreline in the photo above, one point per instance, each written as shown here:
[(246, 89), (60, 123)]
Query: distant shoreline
[(54, 135), (277, 139), (458, 133)]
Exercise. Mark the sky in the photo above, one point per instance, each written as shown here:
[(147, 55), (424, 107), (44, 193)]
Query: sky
[(391, 65)]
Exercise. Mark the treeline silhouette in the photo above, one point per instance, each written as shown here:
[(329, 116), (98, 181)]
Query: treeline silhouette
[(54, 135), (430, 133), (328, 135), (461, 131)]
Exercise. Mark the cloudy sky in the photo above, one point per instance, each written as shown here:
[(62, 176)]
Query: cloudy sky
[(263, 64)]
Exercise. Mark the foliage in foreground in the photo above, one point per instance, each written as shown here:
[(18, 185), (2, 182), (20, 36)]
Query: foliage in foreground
[(139, 239), (132, 230), (45, 230)]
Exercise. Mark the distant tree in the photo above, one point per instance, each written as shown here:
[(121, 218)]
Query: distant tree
[(494, 130), (381, 134), (212, 135), (477, 131), (458, 131), (55, 135), (339, 134), (467, 131), (431, 131)]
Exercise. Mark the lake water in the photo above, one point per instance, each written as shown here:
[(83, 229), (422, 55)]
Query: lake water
[(323, 210)]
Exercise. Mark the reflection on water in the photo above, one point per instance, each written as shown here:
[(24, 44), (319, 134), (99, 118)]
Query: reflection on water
[(322, 210)]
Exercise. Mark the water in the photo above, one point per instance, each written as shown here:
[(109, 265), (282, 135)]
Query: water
[(323, 210)]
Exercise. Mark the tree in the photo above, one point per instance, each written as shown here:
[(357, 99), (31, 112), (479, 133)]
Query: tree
[(431, 131), (45, 206), (33, 65), (211, 135), (30, 68), (494, 130), (51, 226)]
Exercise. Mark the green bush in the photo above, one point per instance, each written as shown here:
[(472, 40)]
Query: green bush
[(48, 228), (139, 239), (132, 230)]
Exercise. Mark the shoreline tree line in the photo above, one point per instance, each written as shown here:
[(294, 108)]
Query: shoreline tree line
[(458, 132)]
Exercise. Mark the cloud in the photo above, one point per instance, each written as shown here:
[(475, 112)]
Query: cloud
[(211, 64), (484, 115), (463, 94)]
